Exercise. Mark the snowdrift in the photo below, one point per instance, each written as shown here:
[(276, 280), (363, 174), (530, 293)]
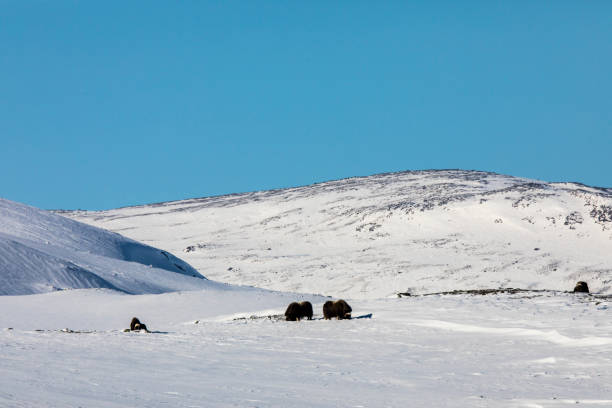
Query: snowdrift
[(44, 252)]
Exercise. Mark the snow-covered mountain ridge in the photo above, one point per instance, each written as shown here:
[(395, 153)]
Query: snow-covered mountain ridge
[(44, 252), (368, 237)]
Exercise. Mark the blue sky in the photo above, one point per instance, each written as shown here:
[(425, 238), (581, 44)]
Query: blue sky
[(108, 104)]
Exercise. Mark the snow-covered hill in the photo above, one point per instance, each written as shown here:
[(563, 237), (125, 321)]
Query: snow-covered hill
[(374, 236), (220, 345), (44, 252)]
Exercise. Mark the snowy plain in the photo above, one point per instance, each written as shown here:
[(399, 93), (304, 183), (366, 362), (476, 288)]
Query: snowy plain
[(553, 350), (70, 289)]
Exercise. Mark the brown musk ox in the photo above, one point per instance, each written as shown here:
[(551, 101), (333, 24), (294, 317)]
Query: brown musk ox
[(581, 287), (135, 325), (339, 309), (295, 311)]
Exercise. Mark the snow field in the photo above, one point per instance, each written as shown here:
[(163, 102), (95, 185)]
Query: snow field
[(451, 351), (362, 239)]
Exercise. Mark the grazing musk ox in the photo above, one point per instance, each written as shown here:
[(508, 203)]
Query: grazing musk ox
[(581, 287), (339, 309), (295, 311), (135, 325)]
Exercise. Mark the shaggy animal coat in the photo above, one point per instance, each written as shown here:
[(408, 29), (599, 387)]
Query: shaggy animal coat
[(135, 325), (339, 309), (295, 311), (581, 287)]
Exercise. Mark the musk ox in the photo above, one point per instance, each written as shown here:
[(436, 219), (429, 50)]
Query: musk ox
[(135, 325), (581, 287), (339, 309), (295, 311)]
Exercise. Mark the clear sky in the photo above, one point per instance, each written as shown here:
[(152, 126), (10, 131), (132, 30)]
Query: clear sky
[(106, 104)]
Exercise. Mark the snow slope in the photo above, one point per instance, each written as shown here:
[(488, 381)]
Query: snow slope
[(371, 237), (43, 252)]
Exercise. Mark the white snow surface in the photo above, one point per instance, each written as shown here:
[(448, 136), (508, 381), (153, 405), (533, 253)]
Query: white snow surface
[(523, 350), (372, 237), (218, 345), (43, 252)]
